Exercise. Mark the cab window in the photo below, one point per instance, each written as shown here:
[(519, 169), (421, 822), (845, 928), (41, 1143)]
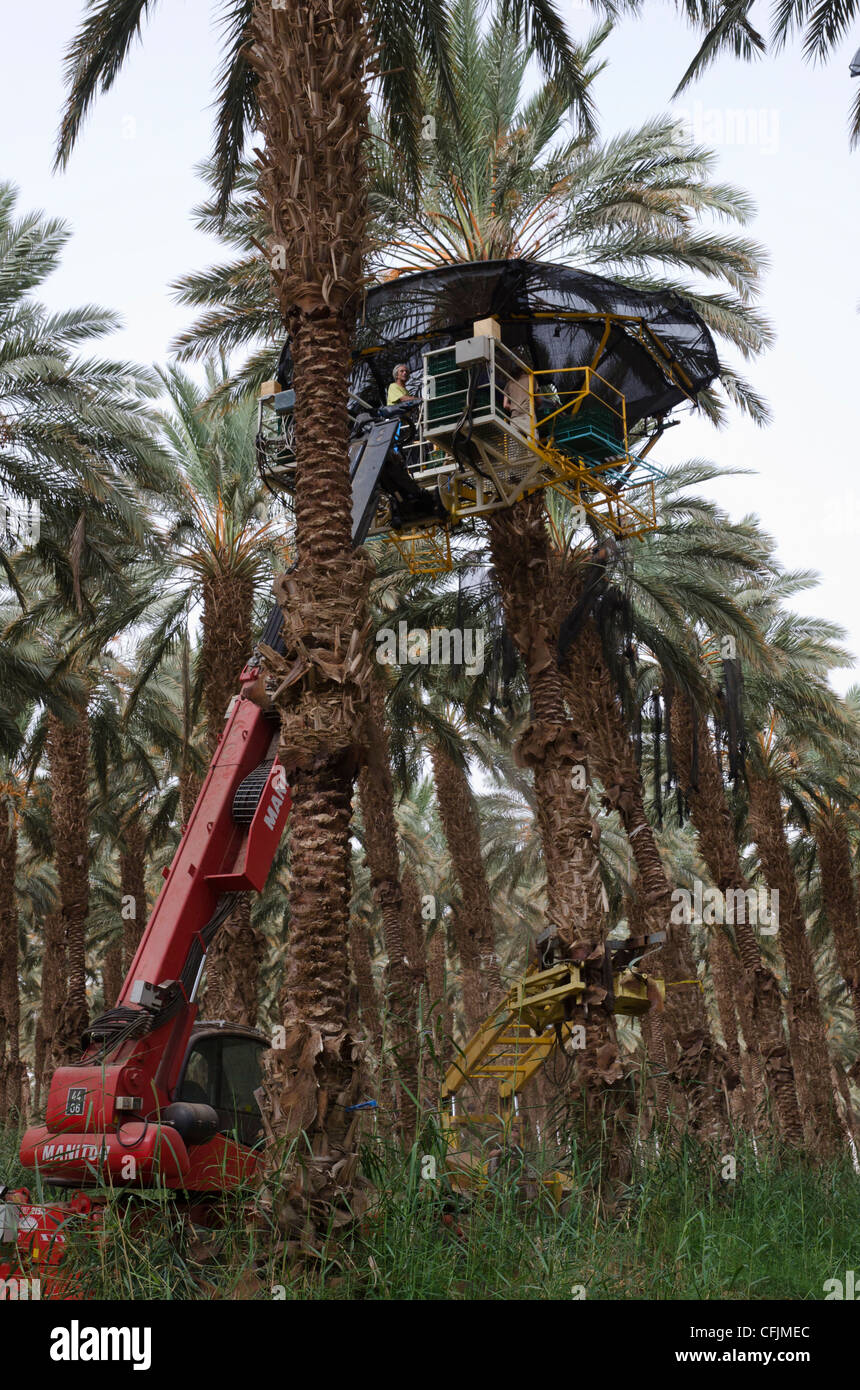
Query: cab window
[(225, 1073)]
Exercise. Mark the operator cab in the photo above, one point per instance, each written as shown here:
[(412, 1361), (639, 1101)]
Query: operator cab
[(223, 1069)]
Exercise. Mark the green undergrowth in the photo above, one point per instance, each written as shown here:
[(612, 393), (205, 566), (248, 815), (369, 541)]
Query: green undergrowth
[(674, 1229)]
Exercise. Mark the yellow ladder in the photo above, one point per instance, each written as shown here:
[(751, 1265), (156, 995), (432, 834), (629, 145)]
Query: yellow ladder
[(523, 1032)]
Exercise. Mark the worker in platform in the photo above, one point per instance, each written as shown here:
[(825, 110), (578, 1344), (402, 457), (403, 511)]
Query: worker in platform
[(397, 392), (517, 398)]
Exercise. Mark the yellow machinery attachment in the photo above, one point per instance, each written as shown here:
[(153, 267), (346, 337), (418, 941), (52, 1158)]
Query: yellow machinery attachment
[(527, 1028), (423, 549)]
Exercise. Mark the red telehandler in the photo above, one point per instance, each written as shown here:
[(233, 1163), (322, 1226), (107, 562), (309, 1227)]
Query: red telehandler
[(159, 1100)]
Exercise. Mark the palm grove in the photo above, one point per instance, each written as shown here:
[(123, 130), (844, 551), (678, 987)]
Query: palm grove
[(405, 898)]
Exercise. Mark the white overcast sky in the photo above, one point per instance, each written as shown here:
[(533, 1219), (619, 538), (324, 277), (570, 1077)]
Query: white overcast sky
[(130, 188)]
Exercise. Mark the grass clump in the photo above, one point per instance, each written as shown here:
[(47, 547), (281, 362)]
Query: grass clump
[(676, 1229)]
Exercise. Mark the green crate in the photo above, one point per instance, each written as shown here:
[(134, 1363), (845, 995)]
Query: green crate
[(453, 384), (593, 432)]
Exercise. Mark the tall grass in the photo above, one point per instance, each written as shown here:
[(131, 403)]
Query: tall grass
[(675, 1230)]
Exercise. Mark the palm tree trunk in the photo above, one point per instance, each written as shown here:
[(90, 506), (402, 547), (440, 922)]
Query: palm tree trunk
[(312, 60), (840, 901), (189, 790), (698, 1066), (413, 933), (189, 782), (376, 794), (416, 958), (112, 974), (727, 980), (10, 1000), (362, 969), (652, 1023), (844, 1092), (470, 974), (53, 984), (476, 936), (761, 1010), (228, 602), (68, 757), (526, 573), (232, 987), (437, 985), (810, 1053), (551, 747)]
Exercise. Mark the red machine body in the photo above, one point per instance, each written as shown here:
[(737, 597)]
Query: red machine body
[(105, 1121), (140, 1110)]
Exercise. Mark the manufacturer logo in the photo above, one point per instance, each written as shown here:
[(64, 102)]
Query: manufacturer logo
[(273, 809)]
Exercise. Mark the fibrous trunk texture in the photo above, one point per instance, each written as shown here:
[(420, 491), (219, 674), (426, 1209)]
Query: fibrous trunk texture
[(727, 980), (112, 975), (376, 794), (312, 61), (316, 1077), (226, 645), (810, 1053), (760, 1010), (11, 1066), (133, 908), (362, 969), (653, 1026), (413, 934), (189, 790), (232, 988), (482, 981), (416, 959), (437, 987), (68, 759), (527, 575), (698, 1067), (52, 994), (233, 959), (840, 901), (555, 751)]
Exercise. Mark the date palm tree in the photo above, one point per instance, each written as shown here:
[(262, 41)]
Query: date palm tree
[(791, 717), (12, 794), (218, 563), (496, 185), (300, 75), (382, 851), (75, 431), (759, 1001), (832, 820)]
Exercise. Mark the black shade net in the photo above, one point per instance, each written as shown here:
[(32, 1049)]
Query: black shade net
[(404, 318)]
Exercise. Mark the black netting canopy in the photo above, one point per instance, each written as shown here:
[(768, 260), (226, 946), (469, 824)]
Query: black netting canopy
[(406, 317)]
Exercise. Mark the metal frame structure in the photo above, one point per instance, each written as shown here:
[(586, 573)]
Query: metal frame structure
[(528, 1026), (491, 430), (484, 455)]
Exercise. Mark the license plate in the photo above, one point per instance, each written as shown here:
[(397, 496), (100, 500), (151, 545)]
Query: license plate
[(76, 1100)]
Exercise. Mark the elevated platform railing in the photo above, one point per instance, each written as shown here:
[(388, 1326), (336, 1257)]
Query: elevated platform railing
[(493, 430)]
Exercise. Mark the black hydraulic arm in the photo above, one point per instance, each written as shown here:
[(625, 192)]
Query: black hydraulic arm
[(367, 457)]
